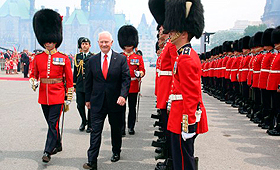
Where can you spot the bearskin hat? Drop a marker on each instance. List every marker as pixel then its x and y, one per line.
pixel 227 46
pixel 266 37
pixel 208 54
pixel 235 45
pixel 128 36
pixel 47 25
pixel 244 43
pixel 184 15
pixel 258 39
pixel 251 42
pixel 80 42
pixel 157 8
pixel 221 49
pixel 275 36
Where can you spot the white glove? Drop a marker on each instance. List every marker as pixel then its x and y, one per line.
pixel 34 83
pixel 67 102
pixel 186 136
pixel 137 74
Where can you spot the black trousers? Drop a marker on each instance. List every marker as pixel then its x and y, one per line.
pixel 132 101
pixel 81 103
pixel 245 90
pixel 52 114
pixel 182 152
pixel 25 70
pixel 257 98
pixel 97 122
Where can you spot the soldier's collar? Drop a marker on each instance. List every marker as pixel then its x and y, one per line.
pixel 53 51
pixel 180 50
pixel 128 54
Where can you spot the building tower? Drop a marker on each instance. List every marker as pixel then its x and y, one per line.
pixel 271 16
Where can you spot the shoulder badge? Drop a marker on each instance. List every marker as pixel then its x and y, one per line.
pixel 186 51
pixel 39 53
pixel 62 53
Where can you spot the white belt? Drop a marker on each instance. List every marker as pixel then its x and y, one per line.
pixel 265 70
pixel 158 70
pixel 256 71
pixel 251 69
pixel 234 69
pixel 227 69
pixel 165 73
pixel 133 78
pixel 274 71
pixel 219 68
pixel 173 97
pixel 223 67
pixel 244 69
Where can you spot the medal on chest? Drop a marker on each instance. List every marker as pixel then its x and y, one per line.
pixel 58 61
pixel 175 67
pixel 134 61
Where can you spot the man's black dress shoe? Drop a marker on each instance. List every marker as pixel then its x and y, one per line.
pixel 123 134
pixel 82 127
pixel 46 157
pixel 131 131
pixel 89 130
pixel 115 157
pixel 90 165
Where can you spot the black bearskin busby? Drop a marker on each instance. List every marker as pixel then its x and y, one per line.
pixel 80 42
pixel 235 45
pixel 245 42
pixel 180 18
pixel 128 36
pixel 275 36
pixel 266 37
pixel 227 46
pixel 221 49
pixel 251 42
pixel 157 8
pixel 258 39
pixel 47 25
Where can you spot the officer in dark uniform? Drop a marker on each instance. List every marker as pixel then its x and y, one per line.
pixel 78 80
pixel 25 61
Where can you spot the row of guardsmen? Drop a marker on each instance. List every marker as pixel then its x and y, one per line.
pixel 181 115
pixel 246 74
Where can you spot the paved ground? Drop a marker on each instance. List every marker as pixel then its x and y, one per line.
pixel 233 142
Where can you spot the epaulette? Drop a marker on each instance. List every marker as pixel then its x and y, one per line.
pixel 39 53
pixel 62 53
pixel 186 51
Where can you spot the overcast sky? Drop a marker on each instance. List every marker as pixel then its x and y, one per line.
pixel 219 14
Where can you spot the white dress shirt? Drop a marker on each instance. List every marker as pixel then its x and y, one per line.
pixel 109 54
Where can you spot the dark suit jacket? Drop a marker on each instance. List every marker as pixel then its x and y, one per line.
pixel 79 74
pixel 117 82
pixel 25 58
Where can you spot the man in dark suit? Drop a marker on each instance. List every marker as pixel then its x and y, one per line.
pixel 79 80
pixel 25 61
pixel 7 55
pixel 107 86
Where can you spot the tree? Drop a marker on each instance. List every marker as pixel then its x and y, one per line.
pixel 221 36
pixel 251 30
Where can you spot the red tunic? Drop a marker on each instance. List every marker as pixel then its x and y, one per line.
pixel 55 65
pixel 265 68
pixel 274 74
pixel 256 70
pixel 219 68
pixel 223 71
pixel 167 55
pixel 228 67
pixel 135 63
pixel 245 68
pixel 157 69
pixel 234 68
pixel 187 82
pixel 250 74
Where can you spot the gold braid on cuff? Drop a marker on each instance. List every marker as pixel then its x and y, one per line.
pixel 70 93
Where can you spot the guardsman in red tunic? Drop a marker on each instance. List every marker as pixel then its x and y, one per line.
pixel 229 96
pixel 187 117
pixel 243 73
pixel 233 72
pixel 263 76
pixel 273 84
pixel 256 66
pixel 226 48
pixel 53 70
pixel 128 41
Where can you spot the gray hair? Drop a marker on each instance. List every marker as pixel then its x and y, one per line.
pixel 105 32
